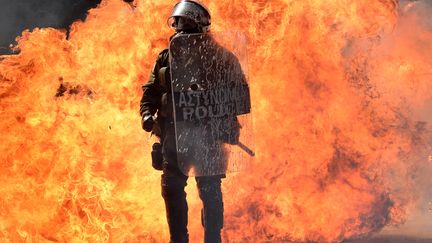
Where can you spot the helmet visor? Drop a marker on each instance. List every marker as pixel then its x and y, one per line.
pixel 192 11
pixel 184 24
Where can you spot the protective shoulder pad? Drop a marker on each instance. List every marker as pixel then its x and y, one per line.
pixel 163 57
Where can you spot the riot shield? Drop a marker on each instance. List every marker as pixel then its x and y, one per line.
pixel 212 108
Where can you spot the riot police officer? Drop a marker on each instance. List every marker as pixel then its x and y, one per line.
pixel 187 17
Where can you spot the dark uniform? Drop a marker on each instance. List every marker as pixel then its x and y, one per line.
pixel 157 99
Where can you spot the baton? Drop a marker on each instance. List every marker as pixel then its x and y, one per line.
pixel 246 149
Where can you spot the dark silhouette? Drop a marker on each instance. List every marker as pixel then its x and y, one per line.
pixel 19 15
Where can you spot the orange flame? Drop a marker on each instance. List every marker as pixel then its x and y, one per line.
pixel 333 84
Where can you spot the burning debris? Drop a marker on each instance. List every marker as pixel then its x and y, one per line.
pixel 68 89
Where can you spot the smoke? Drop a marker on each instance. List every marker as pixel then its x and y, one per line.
pixel 411 101
pixel 19 15
pixel 414 21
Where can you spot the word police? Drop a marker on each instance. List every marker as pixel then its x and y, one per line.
pixel 212 103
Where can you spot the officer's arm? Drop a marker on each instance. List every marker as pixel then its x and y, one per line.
pixel 247 91
pixel 244 87
pixel 151 92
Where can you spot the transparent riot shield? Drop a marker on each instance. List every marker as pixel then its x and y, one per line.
pixel 212 107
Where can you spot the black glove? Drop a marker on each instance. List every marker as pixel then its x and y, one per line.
pixel 230 131
pixel 147 123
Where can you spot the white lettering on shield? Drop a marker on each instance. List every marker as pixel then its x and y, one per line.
pixel 213 103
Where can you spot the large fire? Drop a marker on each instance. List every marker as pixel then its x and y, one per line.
pixel 333 84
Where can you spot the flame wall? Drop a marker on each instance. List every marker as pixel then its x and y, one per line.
pixel 334 84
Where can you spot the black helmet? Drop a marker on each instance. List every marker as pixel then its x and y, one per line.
pixel 190 15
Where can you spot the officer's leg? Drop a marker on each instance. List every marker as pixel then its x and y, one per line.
pixel 209 188
pixel 173 184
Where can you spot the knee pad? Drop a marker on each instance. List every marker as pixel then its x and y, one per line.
pixel 209 189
